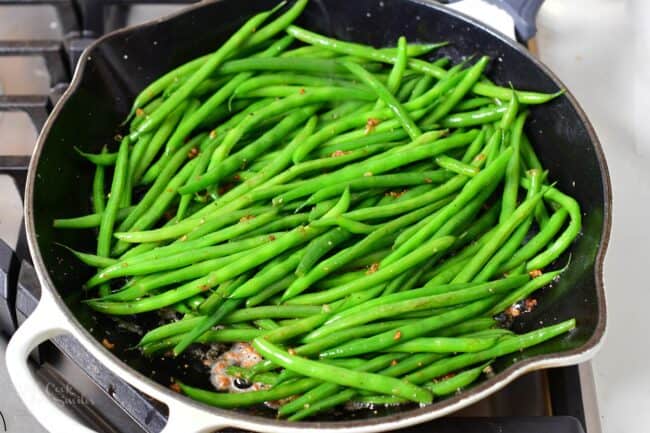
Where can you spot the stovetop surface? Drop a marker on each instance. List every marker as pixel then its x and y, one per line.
pixel 69 374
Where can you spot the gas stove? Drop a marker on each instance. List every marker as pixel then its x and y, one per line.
pixel 40 42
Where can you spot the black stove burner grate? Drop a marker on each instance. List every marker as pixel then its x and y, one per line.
pixel 112 404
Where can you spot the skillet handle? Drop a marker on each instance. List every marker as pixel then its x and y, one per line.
pixel 47 321
pixel 524 14
pixel 44 323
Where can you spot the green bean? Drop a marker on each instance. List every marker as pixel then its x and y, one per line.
pixel 381 308
pixel 474 149
pixel 137 266
pixel 444 345
pixel 322 402
pixel 272 312
pixel 188 246
pixel 500 234
pixel 157 209
pixel 397 72
pixel 230 164
pixel 194 302
pixel 219 295
pixel 266 324
pixel 208 224
pixel 524 291
pixel 427 145
pixel 341 376
pixel 483 89
pixel 460 90
pixel 490 175
pixel 91 259
pixel 433 290
pixel 387 97
pixel 110 213
pixel 360 248
pixel 159 185
pixel 230 400
pixel 416 106
pixel 357 91
pixel 421 85
pixel 137 153
pixel 285 78
pixel 383 274
pixel 564 240
pixel 269 291
pixel 238 266
pixel 538 242
pixel 335 338
pixel 328 388
pixel 456 166
pixel 143 171
pixel 310 51
pixel 284 223
pixel 361 118
pixel 481 116
pixel 296 327
pixel 468 327
pixel 170 329
pixel 351 48
pixel 456 382
pixel 528 154
pixel 351 226
pixel 511 185
pixel 212 63
pixel 99 195
pixel 504 93
pixel 214 318
pixel 268 276
pixel 439 389
pixel 472 103
pixel 139 287
pixel 291 64
pixel 202 163
pixel 504 347
pixel 316 95
pixel 212 336
pixel 362 262
pixel 319 247
pixel 89 221
pixel 408 332
pixel 100 159
pixel 382 181
pixel 299 169
pixel 511 113
pixel 278 25
pixel 407 280
pixel 210 85
pixel 517 237
pixel 218 98
pixel 142 113
pixel 259 36
pixel 388 137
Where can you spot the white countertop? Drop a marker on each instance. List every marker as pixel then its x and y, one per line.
pixel 599 50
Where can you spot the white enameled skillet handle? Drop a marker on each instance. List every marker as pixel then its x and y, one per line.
pixel 44 323
pixel 187 419
pixel 47 321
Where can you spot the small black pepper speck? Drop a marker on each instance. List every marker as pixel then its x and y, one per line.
pixel 241 383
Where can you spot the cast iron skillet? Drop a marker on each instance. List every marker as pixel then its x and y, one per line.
pixel 116 67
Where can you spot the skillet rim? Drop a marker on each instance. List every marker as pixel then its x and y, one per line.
pixel 401 419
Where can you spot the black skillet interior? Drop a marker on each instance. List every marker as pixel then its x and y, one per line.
pixel 118 67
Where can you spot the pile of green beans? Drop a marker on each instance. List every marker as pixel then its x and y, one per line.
pixel 359 215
